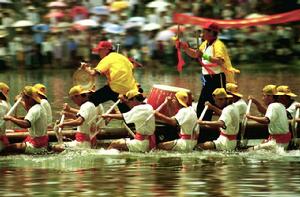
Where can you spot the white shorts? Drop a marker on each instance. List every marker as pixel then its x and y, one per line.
pixel 223 143
pixel 30 149
pixel 270 145
pixel 75 144
pixel 184 145
pixel 137 145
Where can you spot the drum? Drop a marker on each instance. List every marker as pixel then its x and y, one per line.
pixel 158 95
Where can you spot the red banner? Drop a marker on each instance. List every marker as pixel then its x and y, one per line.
pixel 227 24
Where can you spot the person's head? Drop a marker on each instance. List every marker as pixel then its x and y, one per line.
pixel 182 98
pixel 210 31
pixel 78 94
pixel 220 97
pixel 288 96
pixel 103 48
pixel 232 89
pixel 41 90
pixel 270 94
pixel 4 90
pixel 30 97
pixel 133 98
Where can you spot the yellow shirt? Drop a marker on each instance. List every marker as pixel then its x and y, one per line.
pixel 219 50
pixel 118 71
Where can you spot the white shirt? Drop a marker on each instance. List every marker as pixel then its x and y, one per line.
pixel 87 111
pixel 47 106
pixel 292 108
pixel 37 116
pixel 138 115
pixel 276 113
pixel 187 119
pixel 242 108
pixel 215 69
pixel 230 116
pixel 4 107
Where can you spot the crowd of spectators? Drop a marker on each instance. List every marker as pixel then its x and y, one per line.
pixel 49 34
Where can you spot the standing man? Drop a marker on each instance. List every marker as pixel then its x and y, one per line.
pixel 216 65
pixel 118 71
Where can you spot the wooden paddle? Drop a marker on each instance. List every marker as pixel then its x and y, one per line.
pixel 243 142
pixel 101 119
pixel 12 109
pixel 200 118
pixel 295 126
pixel 58 130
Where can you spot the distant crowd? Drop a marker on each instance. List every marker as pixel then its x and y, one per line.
pixel 58 35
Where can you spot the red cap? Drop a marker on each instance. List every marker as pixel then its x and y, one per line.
pixel 212 26
pixel 102 45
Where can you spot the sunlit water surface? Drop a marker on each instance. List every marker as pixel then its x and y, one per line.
pixel 110 173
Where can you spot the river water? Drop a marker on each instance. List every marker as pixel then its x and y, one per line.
pixel 110 173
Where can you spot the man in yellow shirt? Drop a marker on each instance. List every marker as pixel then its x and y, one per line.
pixel 119 73
pixel 216 65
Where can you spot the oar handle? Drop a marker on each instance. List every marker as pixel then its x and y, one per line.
pixel 244 122
pixel 203 112
pixel 12 109
pixel 60 122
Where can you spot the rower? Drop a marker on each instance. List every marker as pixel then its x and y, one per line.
pixel 36 123
pixel 228 123
pixel 240 103
pixel 275 117
pixel 79 118
pixel 44 102
pixel 186 119
pixel 4 107
pixel 287 99
pixel 139 113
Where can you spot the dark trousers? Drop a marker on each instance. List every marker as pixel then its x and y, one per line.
pixel 209 84
pixel 105 94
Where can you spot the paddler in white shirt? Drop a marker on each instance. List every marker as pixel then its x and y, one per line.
pixel 186 119
pixel 275 117
pixel 80 118
pixel 287 99
pixel 228 123
pixel 4 108
pixel 36 123
pixel 144 137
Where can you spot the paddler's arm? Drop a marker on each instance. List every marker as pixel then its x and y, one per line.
pixel 67 108
pixel 23 123
pixel 78 121
pixel 214 108
pixel 212 124
pixel 262 109
pixel 114 116
pixel 262 120
pixel 166 119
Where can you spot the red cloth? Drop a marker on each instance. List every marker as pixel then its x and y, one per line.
pixel 82 137
pixel 230 137
pixel 188 137
pixel 4 139
pixel 206 66
pixel 151 138
pixel 38 142
pixel 265 20
pixel 179 56
pixel 281 138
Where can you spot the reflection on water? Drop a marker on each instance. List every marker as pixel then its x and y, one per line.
pixel 94 172
pixel 105 173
